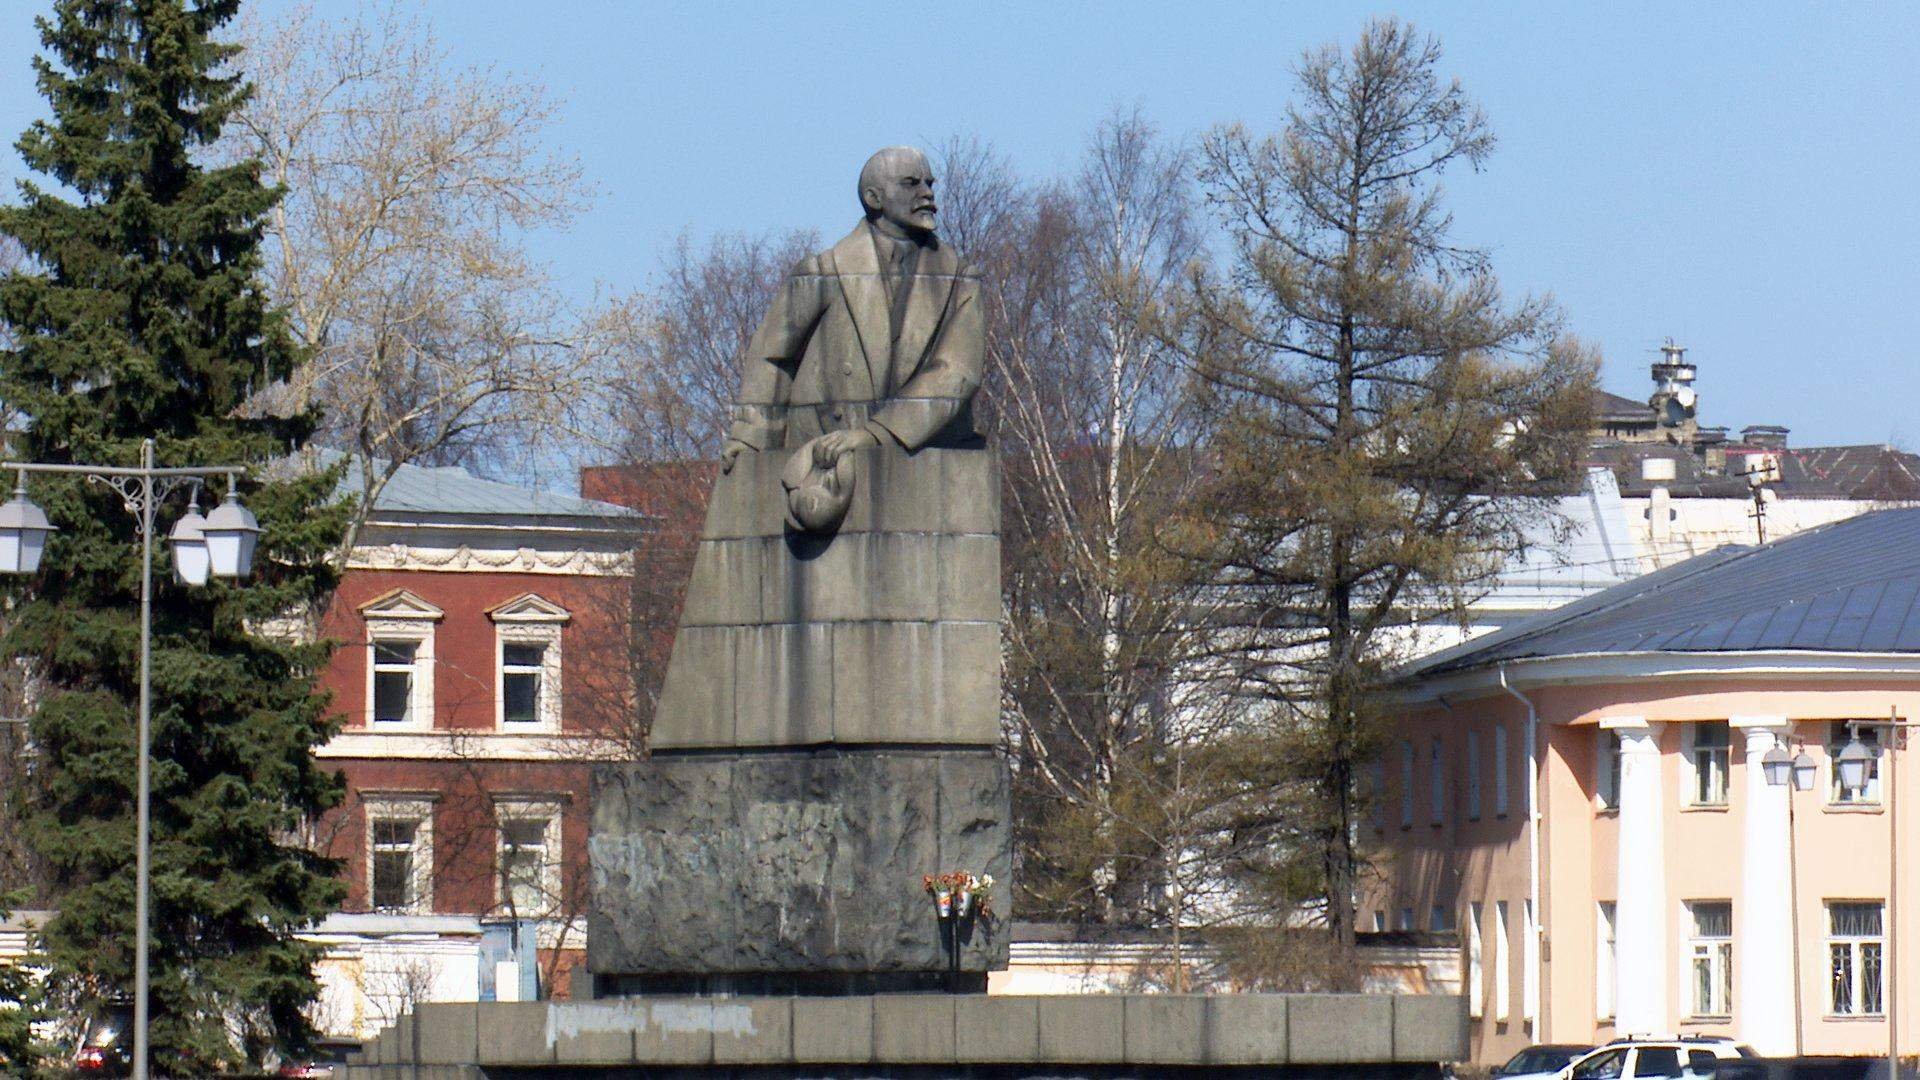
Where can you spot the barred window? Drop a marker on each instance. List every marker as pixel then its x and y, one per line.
pixel 1856 944
pixel 1710 954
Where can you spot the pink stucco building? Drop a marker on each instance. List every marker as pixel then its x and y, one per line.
pixel 1582 797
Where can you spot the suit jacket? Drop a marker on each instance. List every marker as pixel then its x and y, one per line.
pixel 826 356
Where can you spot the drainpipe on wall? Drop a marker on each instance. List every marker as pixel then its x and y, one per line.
pixel 1533 857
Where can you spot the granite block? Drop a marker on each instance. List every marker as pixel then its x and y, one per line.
pixel 678 1031
pixel 595 1033
pixel 829 1030
pixel 753 1031
pixel 1165 1028
pixel 912 1029
pixel 969 574
pixel 697 700
pixel 1247 1029
pixel 449 1032
pixel 997 1029
pixel 970 691
pixel 1081 1030
pixel 515 1033
pixel 970 489
pixel 792 862
pixel 1429 1028
pixel 1329 1028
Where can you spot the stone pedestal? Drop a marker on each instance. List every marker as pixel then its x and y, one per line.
pixel 794 871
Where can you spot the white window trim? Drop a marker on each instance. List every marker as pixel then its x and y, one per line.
pixel 1529 964
pixel 518 808
pixel 1853 942
pixel 1502 963
pixel 1690 768
pixel 1719 956
pixel 1476 964
pixel 415 808
pixel 401 617
pixel 1606 957
pixel 1606 782
pixel 529 619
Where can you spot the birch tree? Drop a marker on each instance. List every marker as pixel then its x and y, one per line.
pixel 399 250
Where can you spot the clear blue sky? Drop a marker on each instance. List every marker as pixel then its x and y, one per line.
pixel 1741 177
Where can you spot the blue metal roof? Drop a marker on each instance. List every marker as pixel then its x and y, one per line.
pixel 1846 587
pixel 416 489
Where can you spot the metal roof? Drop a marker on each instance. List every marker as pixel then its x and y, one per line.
pixel 416 489
pixel 1846 587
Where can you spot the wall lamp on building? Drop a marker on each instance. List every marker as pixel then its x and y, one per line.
pixel 1854 765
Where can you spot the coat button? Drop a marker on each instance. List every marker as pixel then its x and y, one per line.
pixel 846 369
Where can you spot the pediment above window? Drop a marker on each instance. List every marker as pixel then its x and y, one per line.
pixel 400 604
pixel 529 608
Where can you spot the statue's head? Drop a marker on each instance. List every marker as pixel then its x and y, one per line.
pixel 896 189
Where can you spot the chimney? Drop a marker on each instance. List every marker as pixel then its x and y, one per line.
pixel 1658 472
pixel 1765 436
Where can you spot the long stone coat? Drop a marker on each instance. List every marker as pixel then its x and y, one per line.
pixel 885 631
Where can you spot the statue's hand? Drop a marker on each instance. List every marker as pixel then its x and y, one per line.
pixel 731 453
pixel 831 447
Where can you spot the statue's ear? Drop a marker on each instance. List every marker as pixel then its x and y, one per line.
pixel 870 198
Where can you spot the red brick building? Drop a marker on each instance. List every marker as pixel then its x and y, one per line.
pixel 483 665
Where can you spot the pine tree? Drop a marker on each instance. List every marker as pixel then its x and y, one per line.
pixel 141 315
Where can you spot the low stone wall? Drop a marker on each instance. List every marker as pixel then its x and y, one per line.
pixel 927 1035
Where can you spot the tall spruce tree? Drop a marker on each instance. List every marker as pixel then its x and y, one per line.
pixel 141 316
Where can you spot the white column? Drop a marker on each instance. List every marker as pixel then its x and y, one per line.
pixel 1641 975
pixel 1763 941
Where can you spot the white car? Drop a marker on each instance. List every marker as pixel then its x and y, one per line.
pixel 1543 1062
pixel 1637 1058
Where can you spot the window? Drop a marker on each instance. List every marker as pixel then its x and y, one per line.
pixel 1437 778
pixel 1606 780
pixel 1379 794
pixel 1657 1061
pixel 1837 737
pixel 1406 919
pixel 1530 963
pixel 1710 958
pixel 1855 945
pixel 400 627
pixel 1711 743
pixel 1476 968
pixel 1607 1065
pixel 1606 956
pixel 528 856
pixel 1473 776
pixel 393 666
pixel 1379 922
pixel 1406 783
pixel 1500 771
pixel 1440 919
pixel 400 855
pixel 527 632
pixel 1503 963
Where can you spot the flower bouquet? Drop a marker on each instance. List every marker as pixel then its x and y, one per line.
pixel 958 894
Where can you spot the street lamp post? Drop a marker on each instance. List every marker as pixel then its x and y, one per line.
pixel 1781 769
pixel 1854 764
pixel 222 547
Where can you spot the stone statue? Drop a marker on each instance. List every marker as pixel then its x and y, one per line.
pixel 846 589
pixel 827 733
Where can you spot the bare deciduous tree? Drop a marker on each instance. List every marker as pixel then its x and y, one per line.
pixel 399 250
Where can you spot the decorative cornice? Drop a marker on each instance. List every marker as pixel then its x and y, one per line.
pixel 1588 668
pixel 471 746
pixel 524 560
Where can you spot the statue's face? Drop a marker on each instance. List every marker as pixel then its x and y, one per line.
pixel 905 195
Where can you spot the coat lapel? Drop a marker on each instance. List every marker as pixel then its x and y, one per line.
pixel 858 270
pixel 927 298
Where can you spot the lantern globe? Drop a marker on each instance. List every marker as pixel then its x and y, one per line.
pixel 23 534
pixel 231 533
pixel 191 561
pixel 1852 763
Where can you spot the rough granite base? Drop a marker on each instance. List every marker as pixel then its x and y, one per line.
pixel 736 869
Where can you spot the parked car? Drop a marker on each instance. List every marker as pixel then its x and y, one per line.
pixel 1806 1068
pixel 1692 1057
pixel 105 1046
pixel 1542 1062
pixel 325 1063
